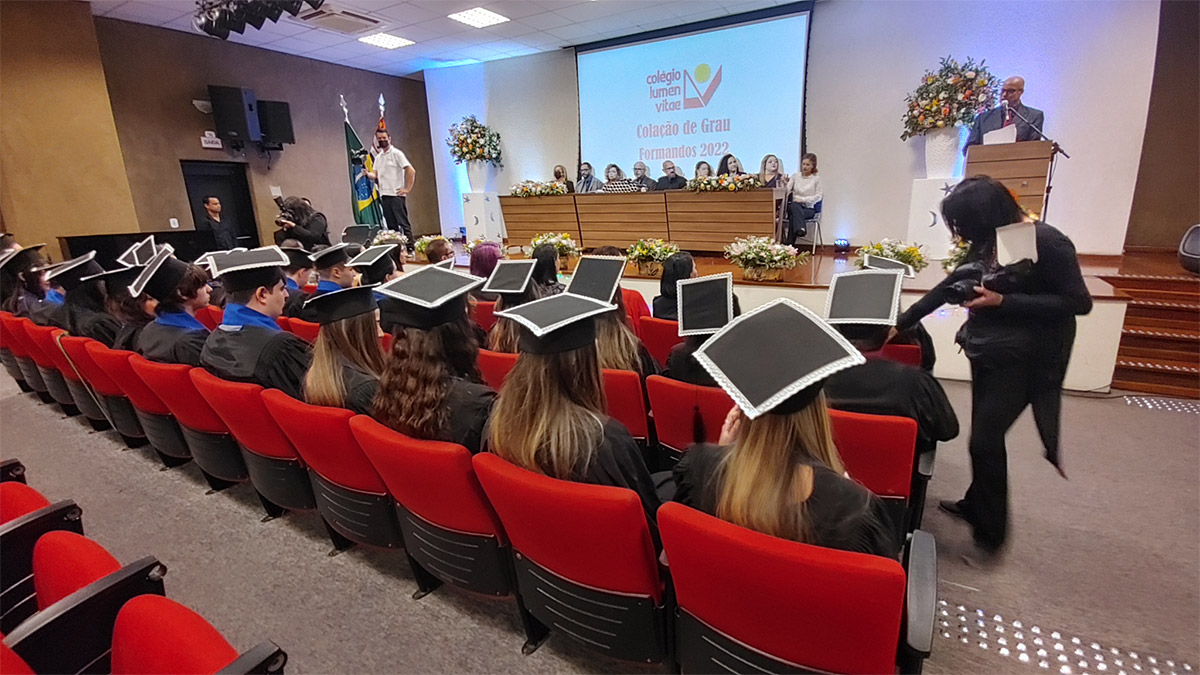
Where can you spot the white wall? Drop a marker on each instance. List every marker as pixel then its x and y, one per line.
pixel 532 101
pixel 1088 65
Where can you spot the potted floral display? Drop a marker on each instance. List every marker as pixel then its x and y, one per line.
pixel 761 259
pixel 472 142
pixel 535 188
pixel 562 242
pixel 894 249
pixel 944 101
pixel 472 245
pixel 423 243
pixel 957 255
pixel 389 237
pixel 725 183
pixel 649 254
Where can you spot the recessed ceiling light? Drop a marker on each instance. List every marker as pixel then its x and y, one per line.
pixel 478 17
pixel 386 41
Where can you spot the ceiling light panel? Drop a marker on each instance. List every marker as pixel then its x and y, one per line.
pixel 478 17
pixel 385 41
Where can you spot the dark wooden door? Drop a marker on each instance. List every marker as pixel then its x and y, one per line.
pixel 227 182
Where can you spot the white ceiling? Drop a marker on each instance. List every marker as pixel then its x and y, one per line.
pixel 534 26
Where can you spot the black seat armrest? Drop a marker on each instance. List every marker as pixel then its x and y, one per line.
pixel 925 462
pixel 265 658
pixel 920 599
pixel 12 469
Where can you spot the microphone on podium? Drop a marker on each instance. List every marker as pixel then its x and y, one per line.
pixel 1007 113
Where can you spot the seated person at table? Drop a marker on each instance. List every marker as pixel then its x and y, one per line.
pixel 707 305
pixel 347 358
pixel 550 414
pixel 730 166
pixel 483 262
pixel 703 170
pixel 175 335
pixel 639 176
pixel 249 346
pixel 84 304
pixel 617 183
pixel 420 395
pixel 512 283
pixel 560 176
pixel 670 180
pixel 587 182
pixel 776 470
pixel 333 274
pixel 677 266
pixel 805 187
pixel 438 250
pixel 771 172
pixel 545 272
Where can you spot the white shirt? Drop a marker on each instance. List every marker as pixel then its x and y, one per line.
pixel 805 189
pixel 389 168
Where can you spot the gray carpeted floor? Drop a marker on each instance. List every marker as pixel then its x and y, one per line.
pixel 1109 557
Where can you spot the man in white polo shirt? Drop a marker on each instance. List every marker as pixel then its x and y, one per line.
pixel 394 175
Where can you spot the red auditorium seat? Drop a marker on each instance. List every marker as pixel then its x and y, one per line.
pixel 627 402
pixel 483 313
pixel 878 451
pixel 659 336
pixel 494 366
pixel 26 515
pixel 8 358
pixel 112 400
pixel 803 608
pixel 284 322
pixel 635 309
pixel 210 316
pixel 275 469
pixel 909 355
pixel 11 663
pixel 385 341
pixel 351 497
pixel 451 532
pixel 585 562
pixel 19 500
pixel 19 344
pixel 305 330
pixel 43 348
pixel 48 339
pixel 156 419
pixel 64 562
pixel 156 635
pixel 685 413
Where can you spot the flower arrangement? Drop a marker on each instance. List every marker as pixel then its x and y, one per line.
pixel 534 188
pixel 472 245
pixel 471 140
pixel 566 246
pixel 950 97
pixel 389 237
pixel 725 183
pixel 957 255
pixel 909 254
pixel 423 243
pixel 761 259
pixel 649 254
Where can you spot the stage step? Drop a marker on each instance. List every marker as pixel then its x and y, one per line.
pixel 1159 376
pixel 1168 284
pixel 1186 315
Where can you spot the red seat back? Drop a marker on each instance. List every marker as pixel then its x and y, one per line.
pixel 877 450
pixel 659 336
pixel 45 338
pixel 172 383
pixel 594 535
pixel 635 309
pixel 494 366
pixel 681 410
pixel 306 330
pixel 9 339
pixel 385 342
pixel 210 316
pixel 240 407
pixel 28 330
pixel 309 289
pixel 11 663
pixel 434 480
pixel 116 364
pixel 626 402
pixel 153 634
pixel 322 437
pixel 76 348
pixel 284 323
pixel 909 355
pixel 18 499
pixel 484 314
pixel 64 562
pixel 824 609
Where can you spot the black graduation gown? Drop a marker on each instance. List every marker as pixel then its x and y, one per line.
pixel 682 366
pixel 274 359
pixel 840 513
pixel 127 336
pixel 293 308
pixel 99 326
pixel 171 344
pixel 46 313
pixel 470 405
pixel 647 363
pixel 666 308
pixel 880 387
pixel 360 389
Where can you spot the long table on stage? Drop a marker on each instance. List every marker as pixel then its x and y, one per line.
pixel 696 221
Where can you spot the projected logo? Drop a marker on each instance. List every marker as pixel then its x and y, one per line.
pixel 668 94
pixel 692 96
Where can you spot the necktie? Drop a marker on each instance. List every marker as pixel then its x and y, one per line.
pixel 1008 116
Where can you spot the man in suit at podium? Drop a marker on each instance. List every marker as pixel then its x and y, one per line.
pixel 1002 116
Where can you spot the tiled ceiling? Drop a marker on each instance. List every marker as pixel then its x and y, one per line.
pixel 534 26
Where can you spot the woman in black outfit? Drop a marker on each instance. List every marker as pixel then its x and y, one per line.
pixel 678 266
pixel 84 306
pixel 1018 340
pixel 299 220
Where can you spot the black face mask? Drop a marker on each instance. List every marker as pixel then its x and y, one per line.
pixel 383 142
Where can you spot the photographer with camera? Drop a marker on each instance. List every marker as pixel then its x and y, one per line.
pixel 298 220
pixel 1018 337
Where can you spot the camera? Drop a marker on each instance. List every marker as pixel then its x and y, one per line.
pixel 357 156
pixel 284 215
pixel 967 276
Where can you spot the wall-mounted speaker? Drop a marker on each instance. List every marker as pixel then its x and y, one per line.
pixel 235 113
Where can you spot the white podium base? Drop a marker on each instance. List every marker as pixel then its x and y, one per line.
pixel 925 225
pixel 482 216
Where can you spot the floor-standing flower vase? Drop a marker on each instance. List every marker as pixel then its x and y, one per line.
pixel 478 175
pixel 941 152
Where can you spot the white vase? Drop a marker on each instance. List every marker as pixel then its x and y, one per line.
pixel 478 175
pixel 941 152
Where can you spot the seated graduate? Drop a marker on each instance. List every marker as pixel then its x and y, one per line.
pixel 618 348
pixel 333 274
pixel 678 266
pixel 545 273
pixel 460 346
pixel 776 469
pixel 133 312
pixel 633 303
pixel 26 290
pixel 706 305
pixel 512 283
pixel 249 346
pixel 550 415
pixel 420 394
pixel 375 265
pixel 438 251
pixel 175 335
pixel 85 299
pixel 863 307
pixel 296 275
pixel 484 258
pixel 347 359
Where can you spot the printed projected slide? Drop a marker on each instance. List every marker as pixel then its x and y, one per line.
pixel 696 97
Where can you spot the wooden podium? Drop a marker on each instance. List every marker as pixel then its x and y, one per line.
pixel 1024 168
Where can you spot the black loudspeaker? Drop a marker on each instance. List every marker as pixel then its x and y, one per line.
pixel 1189 250
pixel 275 120
pixel 235 112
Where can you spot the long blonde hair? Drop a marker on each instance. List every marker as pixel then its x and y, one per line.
pixel 616 346
pixel 765 478
pixel 505 335
pixel 355 341
pixel 549 416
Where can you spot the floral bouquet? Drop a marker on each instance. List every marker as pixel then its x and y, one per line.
pixel 389 237
pixel 950 97
pixel 472 245
pixel 649 254
pixel 909 254
pixel 534 188
pixel 566 246
pixel 957 256
pixel 725 183
pixel 470 140
pixel 761 259
pixel 424 242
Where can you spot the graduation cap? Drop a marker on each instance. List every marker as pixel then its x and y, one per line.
pixel 375 262
pixel 298 258
pixel 447 264
pixel 597 277
pixel 755 358
pixel 426 298
pixel 248 270
pixel 343 304
pixel 72 272
pixel 705 304
pixel 510 277
pixel 16 258
pixel 330 256
pixel 140 253
pixel 116 281
pixel 878 262
pixel 1016 242
pixel 864 297
pixel 161 276
pixel 206 260
pixel 559 323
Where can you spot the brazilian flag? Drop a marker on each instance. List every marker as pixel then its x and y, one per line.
pixel 362 189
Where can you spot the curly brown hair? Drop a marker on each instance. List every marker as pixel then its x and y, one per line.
pixel 412 390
